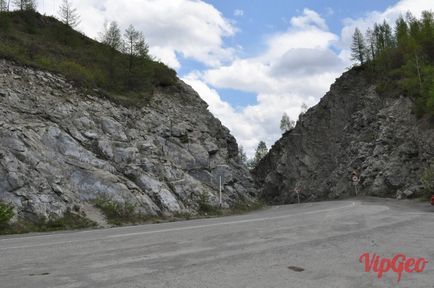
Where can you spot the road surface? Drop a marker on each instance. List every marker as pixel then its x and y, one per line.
pixel 307 245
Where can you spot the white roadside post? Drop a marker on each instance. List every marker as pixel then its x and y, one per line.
pixel 220 185
pixel 220 192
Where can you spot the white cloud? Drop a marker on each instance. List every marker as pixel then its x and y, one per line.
pixel 297 67
pixel 238 13
pixel 191 28
pixel 309 19
pixel 390 15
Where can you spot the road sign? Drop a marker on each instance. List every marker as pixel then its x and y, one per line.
pixel 355 179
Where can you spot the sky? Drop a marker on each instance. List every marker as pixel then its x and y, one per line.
pixel 250 60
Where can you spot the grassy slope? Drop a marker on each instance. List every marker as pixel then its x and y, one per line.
pixel 43 42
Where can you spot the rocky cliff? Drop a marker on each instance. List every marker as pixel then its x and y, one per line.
pixel 353 128
pixel 62 147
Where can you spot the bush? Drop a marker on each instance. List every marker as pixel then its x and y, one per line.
pixel 6 213
pixel 243 206
pixel 120 213
pixel 5 21
pixel 68 221
pixel 45 43
pixel 205 207
pixel 428 181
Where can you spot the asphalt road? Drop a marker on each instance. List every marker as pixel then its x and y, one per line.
pixel 324 240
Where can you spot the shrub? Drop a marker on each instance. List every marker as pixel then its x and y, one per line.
pixel 6 213
pixel 243 206
pixel 205 207
pixel 45 43
pixel 5 21
pixel 119 213
pixel 68 221
pixel 428 181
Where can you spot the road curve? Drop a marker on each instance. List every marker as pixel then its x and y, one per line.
pixel 307 245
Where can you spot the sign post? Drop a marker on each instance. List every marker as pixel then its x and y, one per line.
pixel 297 190
pixel 355 179
pixel 221 173
pixel 220 192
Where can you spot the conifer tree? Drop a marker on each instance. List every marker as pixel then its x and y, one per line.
pixel 69 14
pixel 358 47
pixel 25 5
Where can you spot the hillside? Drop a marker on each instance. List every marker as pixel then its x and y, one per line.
pixel 353 128
pixel 375 125
pixel 66 149
pixel 45 43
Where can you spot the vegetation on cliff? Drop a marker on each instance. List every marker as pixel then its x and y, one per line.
pixel 43 42
pixel 401 59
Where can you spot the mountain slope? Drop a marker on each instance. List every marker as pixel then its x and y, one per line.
pixel 353 128
pixel 82 124
pixel 61 147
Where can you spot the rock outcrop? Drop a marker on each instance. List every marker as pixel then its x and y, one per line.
pixel 353 128
pixel 61 148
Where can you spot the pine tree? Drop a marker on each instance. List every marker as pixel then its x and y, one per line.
pixel 402 33
pixel 358 48
pixel 135 44
pixel 141 47
pixel 286 123
pixel 69 14
pixel 131 36
pixel 242 155
pixel 25 5
pixel 389 40
pixel 371 42
pixel 261 151
pixel 112 36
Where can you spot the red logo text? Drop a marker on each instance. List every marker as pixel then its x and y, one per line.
pixel 398 264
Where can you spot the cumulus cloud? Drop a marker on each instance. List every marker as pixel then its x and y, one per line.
pixel 308 19
pixel 297 67
pixel 306 61
pixel 191 28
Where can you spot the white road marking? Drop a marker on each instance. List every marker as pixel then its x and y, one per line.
pixel 164 230
pixel 228 223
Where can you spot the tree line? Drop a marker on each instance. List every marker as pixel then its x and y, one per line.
pixel 122 67
pixel 401 58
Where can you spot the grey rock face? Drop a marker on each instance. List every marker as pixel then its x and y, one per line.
pixel 352 128
pixel 61 148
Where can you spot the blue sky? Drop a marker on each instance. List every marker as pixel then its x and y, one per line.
pixel 251 61
pixel 259 19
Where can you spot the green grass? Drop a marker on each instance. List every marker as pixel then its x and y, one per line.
pixel 243 206
pixel 206 208
pixel 121 213
pixel 69 221
pixel 6 213
pixel 45 43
